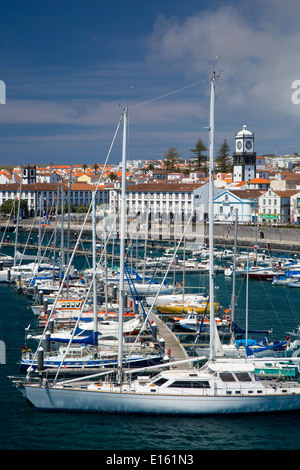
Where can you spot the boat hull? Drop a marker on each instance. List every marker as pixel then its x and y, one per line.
pixel 131 362
pixel 261 276
pixel 180 308
pixel 100 401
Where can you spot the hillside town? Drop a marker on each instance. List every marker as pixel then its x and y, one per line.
pixel 263 189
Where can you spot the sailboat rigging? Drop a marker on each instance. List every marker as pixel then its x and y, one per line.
pixel 220 386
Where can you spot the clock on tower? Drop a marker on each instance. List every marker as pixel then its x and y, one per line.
pixel 244 157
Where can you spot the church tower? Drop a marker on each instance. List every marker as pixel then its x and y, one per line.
pixel 244 157
pixel 29 174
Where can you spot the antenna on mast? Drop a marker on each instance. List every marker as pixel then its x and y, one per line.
pixel 216 75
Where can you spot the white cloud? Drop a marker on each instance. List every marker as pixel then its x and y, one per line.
pixel 258 45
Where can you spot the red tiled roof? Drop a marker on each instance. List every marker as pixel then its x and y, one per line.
pixel 259 181
pixel 164 187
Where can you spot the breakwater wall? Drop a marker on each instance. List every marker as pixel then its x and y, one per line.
pixel 285 238
pixel 282 238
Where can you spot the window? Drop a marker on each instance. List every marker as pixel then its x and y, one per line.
pixel 227 377
pixel 160 381
pixel 190 384
pixel 243 376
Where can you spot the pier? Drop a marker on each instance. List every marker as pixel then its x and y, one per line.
pixel 172 344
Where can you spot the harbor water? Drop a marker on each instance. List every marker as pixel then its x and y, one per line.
pixel 25 428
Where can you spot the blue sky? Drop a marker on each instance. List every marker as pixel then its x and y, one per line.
pixel 70 67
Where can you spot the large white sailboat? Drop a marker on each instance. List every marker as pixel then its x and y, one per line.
pixel 221 386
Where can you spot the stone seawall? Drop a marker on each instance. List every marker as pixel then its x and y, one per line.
pixel 285 238
pixel 277 238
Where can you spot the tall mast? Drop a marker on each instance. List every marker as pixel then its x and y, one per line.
pixel 233 277
pixel 62 243
pixel 40 228
pixel 122 244
pixel 68 235
pixel 18 205
pixel 211 216
pixel 95 307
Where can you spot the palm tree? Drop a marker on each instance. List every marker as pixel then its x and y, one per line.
pixel 113 176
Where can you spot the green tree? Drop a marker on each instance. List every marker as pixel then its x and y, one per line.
pixel 7 207
pixel 171 159
pixel 81 209
pixel 113 176
pixel 199 159
pixel 223 158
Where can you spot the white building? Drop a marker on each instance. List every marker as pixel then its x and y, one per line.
pixel 48 177
pixel 45 195
pixel 5 177
pixel 295 208
pixel 245 201
pixel 164 200
pixel 274 206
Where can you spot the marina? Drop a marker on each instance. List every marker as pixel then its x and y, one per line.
pixel 149 229
pixel 276 309
pixel 233 378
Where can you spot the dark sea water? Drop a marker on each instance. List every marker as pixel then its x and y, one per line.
pixel 25 428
